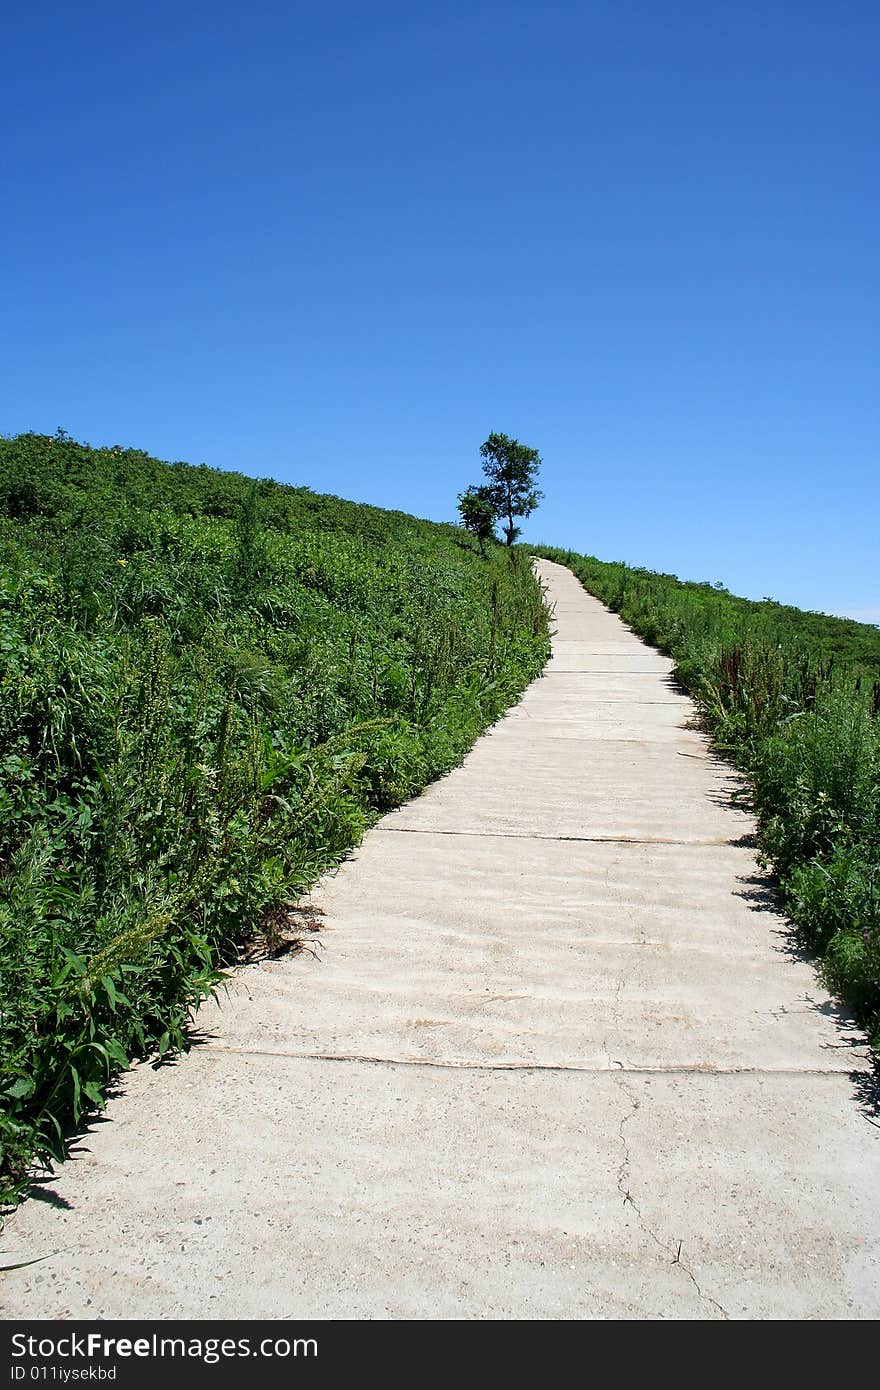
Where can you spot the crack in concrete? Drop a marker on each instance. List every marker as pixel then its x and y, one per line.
pixel 629 1200
pixel 612 1015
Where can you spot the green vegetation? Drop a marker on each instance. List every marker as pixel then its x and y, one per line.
pixel 478 515
pixel 210 688
pixel 794 698
pixel 511 470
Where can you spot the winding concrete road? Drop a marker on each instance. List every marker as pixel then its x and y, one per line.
pixel 556 1059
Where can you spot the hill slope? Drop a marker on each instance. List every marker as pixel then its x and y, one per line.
pixel 210 687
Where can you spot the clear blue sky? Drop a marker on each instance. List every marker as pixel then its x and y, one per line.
pixel 340 244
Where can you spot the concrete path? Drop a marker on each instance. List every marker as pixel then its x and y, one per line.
pixel 556 1060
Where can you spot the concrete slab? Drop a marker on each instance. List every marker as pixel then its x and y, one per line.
pixel 522 1076
pixel 659 720
pixel 572 658
pixel 409 1192
pixel 588 790
pixel 605 683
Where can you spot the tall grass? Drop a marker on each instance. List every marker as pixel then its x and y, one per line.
pixel 794 698
pixel 209 688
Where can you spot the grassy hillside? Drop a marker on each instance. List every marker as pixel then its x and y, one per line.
pixel 210 688
pixel 794 698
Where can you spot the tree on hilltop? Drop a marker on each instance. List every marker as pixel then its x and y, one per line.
pixel 511 470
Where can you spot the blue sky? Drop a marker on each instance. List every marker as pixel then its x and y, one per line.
pixel 340 245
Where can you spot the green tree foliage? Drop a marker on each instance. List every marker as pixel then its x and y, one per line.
pixel 512 471
pixel 794 698
pixel 478 514
pixel 209 688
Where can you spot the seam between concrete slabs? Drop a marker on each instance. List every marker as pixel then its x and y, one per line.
pixel 614 1069
pixel 606 700
pixel 582 671
pixel 572 839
